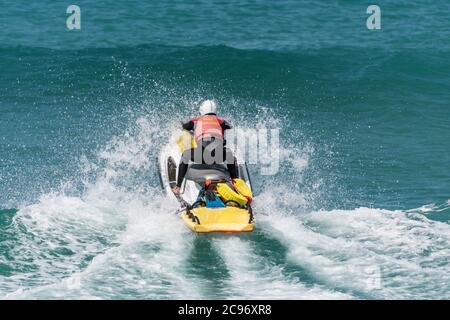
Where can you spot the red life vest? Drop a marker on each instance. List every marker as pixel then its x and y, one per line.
pixel 208 126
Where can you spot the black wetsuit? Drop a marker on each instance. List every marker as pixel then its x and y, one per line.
pixel 211 147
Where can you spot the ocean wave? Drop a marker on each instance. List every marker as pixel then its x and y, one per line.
pixel 371 253
pixel 121 239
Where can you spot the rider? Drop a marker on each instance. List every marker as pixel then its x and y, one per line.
pixel 209 136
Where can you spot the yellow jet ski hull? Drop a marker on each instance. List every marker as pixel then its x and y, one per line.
pixel 228 219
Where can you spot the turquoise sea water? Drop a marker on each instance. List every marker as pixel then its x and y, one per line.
pixel 359 209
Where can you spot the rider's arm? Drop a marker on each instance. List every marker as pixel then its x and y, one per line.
pixel 226 125
pixel 189 125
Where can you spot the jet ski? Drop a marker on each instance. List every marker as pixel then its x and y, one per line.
pixel 210 201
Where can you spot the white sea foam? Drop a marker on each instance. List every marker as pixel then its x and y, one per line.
pixel 118 240
pixel 253 277
pixel 146 261
pixel 372 252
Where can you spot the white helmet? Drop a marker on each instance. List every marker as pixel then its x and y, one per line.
pixel 207 106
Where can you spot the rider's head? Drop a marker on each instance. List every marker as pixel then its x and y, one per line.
pixel 207 106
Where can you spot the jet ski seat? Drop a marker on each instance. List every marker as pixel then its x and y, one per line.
pixel 197 172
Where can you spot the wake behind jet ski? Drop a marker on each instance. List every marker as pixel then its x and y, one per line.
pixel 203 175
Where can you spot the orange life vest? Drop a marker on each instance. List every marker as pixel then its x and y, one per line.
pixel 208 126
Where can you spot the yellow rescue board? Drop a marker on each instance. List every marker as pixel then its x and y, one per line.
pixel 228 219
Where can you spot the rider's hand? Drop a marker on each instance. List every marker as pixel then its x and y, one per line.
pixel 176 190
